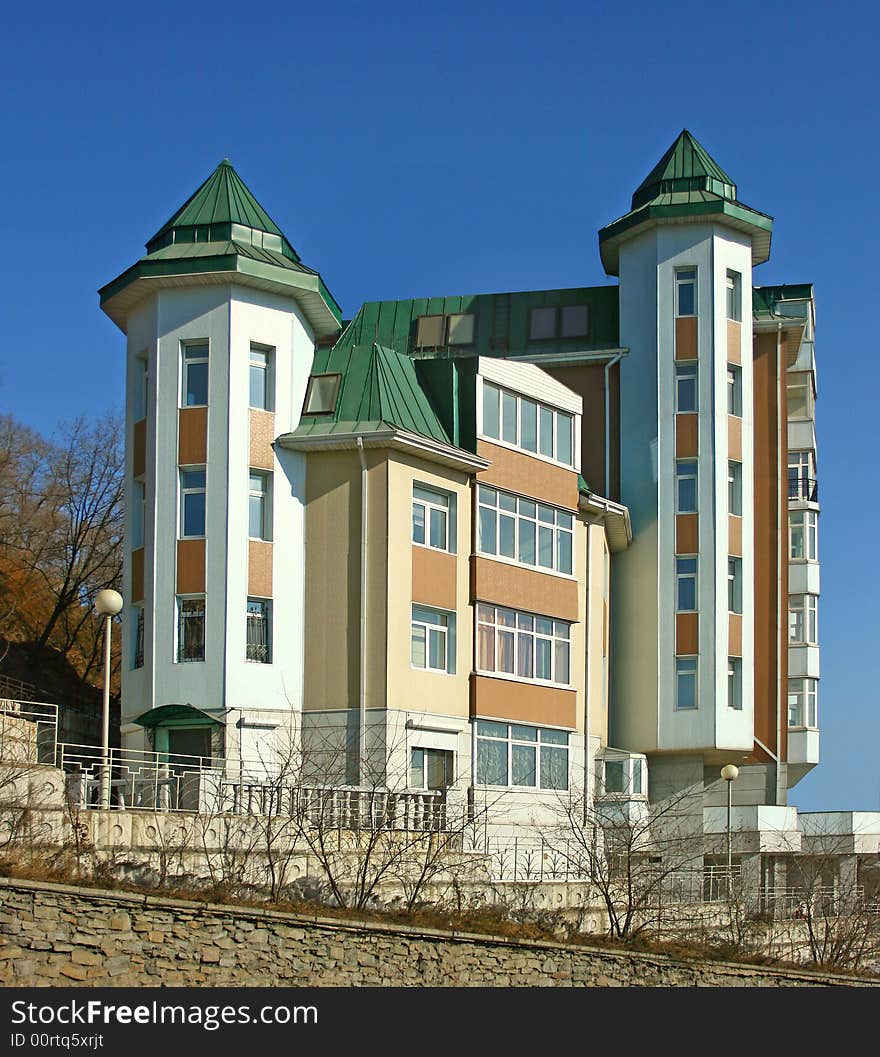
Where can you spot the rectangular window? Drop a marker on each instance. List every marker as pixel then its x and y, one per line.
pixel 137 621
pixel 734 488
pixel 526 424
pixel 191 629
pixel 685 487
pixel 686 387
pixel 734 391
pixel 460 329
pixel 803 619
pixel 615 776
pixel 802 483
pixel 516 754
pixel 259 631
pixel 734 683
pixel 432 640
pixel 138 514
pixel 260 506
pixel 575 321
pixel 433 518
pixel 803 708
pixel 734 296
pixel 802 536
pixel 194 381
pixel 431 769
pixel 321 393
pixel 542 323
pixel 262 388
pixel 686 585
pixel 141 386
pixel 734 585
pixel 539 535
pixel 523 645
pixel 685 682
pixel 192 503
pixel 799 391
pixel 686 292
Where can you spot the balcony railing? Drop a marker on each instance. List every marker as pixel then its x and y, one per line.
pixel 803 489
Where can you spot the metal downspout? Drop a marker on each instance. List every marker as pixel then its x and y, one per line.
pixel 362 710
pixel 780 553
pixel 608 366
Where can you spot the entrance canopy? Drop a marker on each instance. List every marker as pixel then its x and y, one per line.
pixel 176 715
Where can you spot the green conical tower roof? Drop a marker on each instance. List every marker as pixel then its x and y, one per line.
pixel 687 185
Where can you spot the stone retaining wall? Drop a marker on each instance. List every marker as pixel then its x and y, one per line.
pixel 60 935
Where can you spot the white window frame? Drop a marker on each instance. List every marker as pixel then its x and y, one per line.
pixel 683 574
pixel 632 778
pixel 807 522
pixel 178 635
pixel 251 650
pixel 803 700
pixel 187 361
pixel 797 380
pixel 516 510
pixel 262 361
pixel 734 296
pixel 801 475
pixel 448 756
pixel 734 683
pixel 734 391
pixel 687 374
pixel 264 496
pixel 680 478
pixel 522 627
pixel 541 409
pixel 444 628
pixel 187 490
pixel 734 487
pixel 803 619
pixel 687 667
pixel 685 277
pixel 433 500
pixel 734 584
pixel 515 737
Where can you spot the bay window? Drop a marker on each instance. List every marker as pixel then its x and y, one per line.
pixel 524 531
pixel 527 424
pixel 522 645
pixel 520 755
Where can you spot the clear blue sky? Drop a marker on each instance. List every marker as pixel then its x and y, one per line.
pixel 452 149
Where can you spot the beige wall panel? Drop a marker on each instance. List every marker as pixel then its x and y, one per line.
pixel 734 342
pixel 262 434
pixel 190 567
pixel 433 577
pixel 528 476
pixel 734 438
pixel 509 585
pixel 735 635
pixel 687 533
pixel 137 575
pixel 260 568
pixel 139 448
pixel 687 635
pixel 523 702
pixel 686 433
pixel 192 436
pixel 686 338
pixel 734 535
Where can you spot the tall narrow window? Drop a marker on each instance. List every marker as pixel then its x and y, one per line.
pixel 138 515
pixel 734 585
pixel 734 488
pixel 803 619
pixel 685 682
pixel 734 391
pixel 259 630
pixel 686 387
pixel 191 628
pixel 802 545
pixel 686 292
pixel 194 382
pixel 802 483
pixel 433 517
pixel 734 683
pixel 262 388
pixel 491 411
pixel 803 703
pixel 260 506
pixel 686 585
pixel 432 640
pixel 685 487
pixel 192 503
pixel 799 392
pixel 734 296
pixel 137 620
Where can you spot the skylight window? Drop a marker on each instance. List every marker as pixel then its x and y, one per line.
pixel 321 394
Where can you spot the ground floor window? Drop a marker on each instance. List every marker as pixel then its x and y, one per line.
pixel 515 754
pixel 431 768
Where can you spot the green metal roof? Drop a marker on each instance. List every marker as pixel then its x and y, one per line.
pixel 686 185
pixel 766 300
pixel 378 391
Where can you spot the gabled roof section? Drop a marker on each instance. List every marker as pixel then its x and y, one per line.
pixel 687 185
pixel 379 391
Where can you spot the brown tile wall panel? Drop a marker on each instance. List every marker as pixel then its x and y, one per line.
pixel 523 702
pixel 686 338
pixel 735 635
pixel 734 438
pixel 259 568
pixel 518 472
pixel 433 577
pixel 687 634
pixel 734 342
pixel 192 436
pixel 534 592
pixel 687 533
pixel 190 567
pixel 686 435
pixel 139 449
pixel 262 435
pixel 137 575
pixel 734 535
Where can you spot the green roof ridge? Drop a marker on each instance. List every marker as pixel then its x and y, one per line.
pixel 686 166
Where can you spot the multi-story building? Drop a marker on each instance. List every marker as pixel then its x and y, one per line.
pixel 413 529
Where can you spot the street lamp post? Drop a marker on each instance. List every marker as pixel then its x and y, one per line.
pixel 108 603
pixel 729 772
